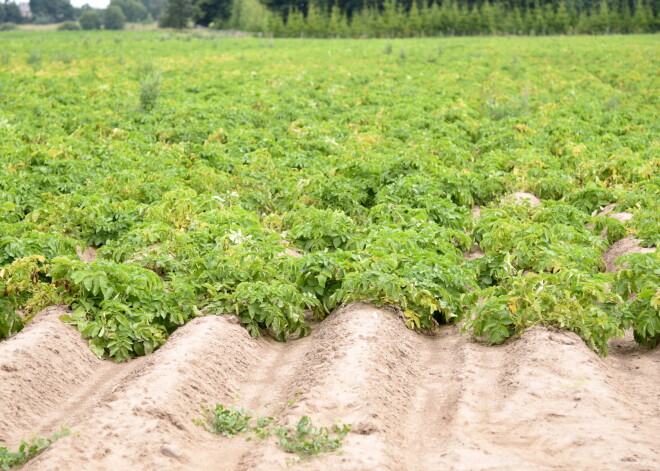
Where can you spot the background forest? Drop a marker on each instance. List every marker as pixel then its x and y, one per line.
pixel 357 18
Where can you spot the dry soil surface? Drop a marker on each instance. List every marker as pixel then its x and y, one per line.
pixel 625 246
pixel 521 197
pixel 541 402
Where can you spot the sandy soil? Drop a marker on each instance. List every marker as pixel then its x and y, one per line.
pixel 625 246
pixel 88 255
pixel 544 401
pixel 520 197
pixel 609 211
pixel 474 253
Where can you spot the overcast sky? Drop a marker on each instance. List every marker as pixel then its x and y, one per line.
pixel 91 3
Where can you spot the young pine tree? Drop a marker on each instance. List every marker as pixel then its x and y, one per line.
pixel 414 23
pixel 540 26
pixel 626 25
pixel 315 22
pixel 295 23
pixel 452 17
pixel 426 20
pixel 486 19
pixel 473 21
pixel 583 23
pixel 643 18
pixel 276 25
pixel 516 24
pixel 461 19
pixel 442 18
pixel 563 20
pixel 338 24
pixel 365 23
pixel 600 21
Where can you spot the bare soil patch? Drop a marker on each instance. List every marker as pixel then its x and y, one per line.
pixel 87 255
pixel 544 401
pixel 520 197
pixel 625 246
pixel 474 253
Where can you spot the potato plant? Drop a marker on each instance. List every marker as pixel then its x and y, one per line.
pixel 322 173
pixel 27 450
pixel 304 439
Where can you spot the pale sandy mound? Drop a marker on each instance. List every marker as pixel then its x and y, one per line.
pixel 625 246
pixel 41 370
pixel 416 403
pixel 291 253
pixel 520 197
pixel 88 255
pixel 542 402
pixel 144 419
pixel 607 209
pixel 621 217
pixel 474 253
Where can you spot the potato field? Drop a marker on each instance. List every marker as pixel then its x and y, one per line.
pixel 253 253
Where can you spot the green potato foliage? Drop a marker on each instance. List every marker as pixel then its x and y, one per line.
pixel 304 439
pixel 122 309
pixel 27 450
pixel 639 284
pixel 568 300
pixel 225 180
pixel 10 321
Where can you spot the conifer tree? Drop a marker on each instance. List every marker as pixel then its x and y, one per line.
pixel 314 22
pixel 361 23
pixel 460 19
pixel 540 26
pixel 473 20
pixel 276 24
pixel 562 19
pixel 425 13
pixel 600 22
pixel 499 17
pixel 486 18
pixel 583 23
pixel 295 23
pixel 625 24
pixel 549 19
pixel 337 24
pixel 396 18
pixel 414 21
pixel 444 17
pixel 643 17
pixel 516 23
pixel 389 21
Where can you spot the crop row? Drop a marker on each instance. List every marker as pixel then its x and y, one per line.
pixel 272 187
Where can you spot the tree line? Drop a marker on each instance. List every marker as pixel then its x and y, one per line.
pixel 364 18
pixel 409 18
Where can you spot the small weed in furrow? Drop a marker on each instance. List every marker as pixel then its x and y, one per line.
pixel 304 439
